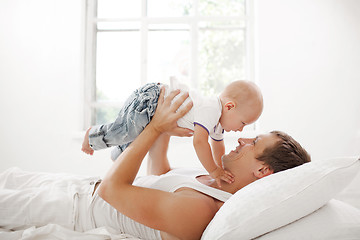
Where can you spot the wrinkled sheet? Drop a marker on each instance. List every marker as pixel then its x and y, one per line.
pixel 57 232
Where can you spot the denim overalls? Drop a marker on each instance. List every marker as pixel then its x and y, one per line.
pixel 136 113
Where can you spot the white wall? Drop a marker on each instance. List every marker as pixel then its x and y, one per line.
pixel 308 66
pixel 308 60
pixel 41 85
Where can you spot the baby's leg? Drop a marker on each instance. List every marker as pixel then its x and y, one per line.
pixel 132 119
pixel 115 153
pixel 86 145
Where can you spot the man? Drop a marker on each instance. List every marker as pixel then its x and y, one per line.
pixel 184 212
pixel 171 205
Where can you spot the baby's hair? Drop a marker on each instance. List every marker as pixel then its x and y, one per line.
pixel 241 91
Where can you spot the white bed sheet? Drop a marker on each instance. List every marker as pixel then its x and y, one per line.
pixel 57 232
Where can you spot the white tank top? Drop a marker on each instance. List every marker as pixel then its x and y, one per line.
pixel 105 215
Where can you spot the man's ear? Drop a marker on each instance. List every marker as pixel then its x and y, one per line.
pixel 229 105
pixel 263 171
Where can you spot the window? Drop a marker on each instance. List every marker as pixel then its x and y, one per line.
pixel 204 43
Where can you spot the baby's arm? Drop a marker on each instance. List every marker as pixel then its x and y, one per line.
pixel 203 151
pixel 218 150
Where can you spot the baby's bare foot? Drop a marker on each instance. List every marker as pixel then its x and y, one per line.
pixel 85 145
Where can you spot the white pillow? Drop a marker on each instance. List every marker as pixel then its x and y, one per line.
pixel 281 198
pixel 335 220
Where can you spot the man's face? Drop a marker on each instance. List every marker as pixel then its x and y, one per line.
pixel 242 161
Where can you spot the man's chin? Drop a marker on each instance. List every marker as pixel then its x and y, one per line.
pixel 226 158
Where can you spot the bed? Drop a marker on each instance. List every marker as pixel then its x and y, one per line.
pixel 318 200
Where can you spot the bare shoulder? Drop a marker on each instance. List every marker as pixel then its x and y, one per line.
pixel 197 210
pixel 201 203
pixel 200 199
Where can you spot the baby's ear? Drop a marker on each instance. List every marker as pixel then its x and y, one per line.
pixel 229 105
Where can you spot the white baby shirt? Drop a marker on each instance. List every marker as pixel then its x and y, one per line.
pixel 206 111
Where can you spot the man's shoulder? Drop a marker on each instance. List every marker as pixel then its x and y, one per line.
pixel 200 202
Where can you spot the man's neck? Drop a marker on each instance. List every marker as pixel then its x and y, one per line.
pixel 209 181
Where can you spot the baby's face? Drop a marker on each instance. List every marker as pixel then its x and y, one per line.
pixel 236 119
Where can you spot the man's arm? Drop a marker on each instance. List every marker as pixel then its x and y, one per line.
pixel 157 162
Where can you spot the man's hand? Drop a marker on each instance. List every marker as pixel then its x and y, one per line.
pixel 167 114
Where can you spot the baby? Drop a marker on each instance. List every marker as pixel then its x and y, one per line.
pixel 239 104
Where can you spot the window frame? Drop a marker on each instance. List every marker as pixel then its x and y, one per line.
pixel 90 37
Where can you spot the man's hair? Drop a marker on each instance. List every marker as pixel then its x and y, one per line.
pixel 284 154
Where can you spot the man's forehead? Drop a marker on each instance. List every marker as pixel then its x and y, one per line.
pixel 260 136
pixel 267 138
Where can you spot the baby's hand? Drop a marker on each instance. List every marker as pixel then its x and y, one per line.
pixel 220 174
pixel 85 145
